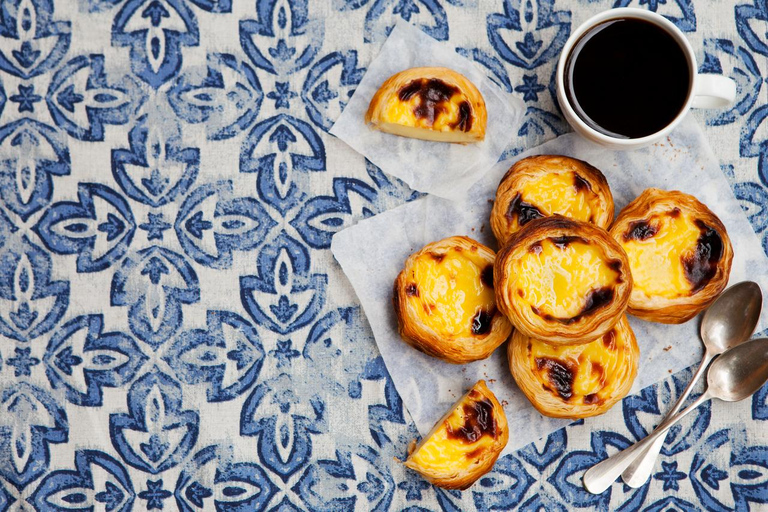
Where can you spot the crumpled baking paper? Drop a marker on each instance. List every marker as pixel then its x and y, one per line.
pixel 373 252
pixel 439 168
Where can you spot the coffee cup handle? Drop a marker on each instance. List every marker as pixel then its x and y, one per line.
pixel 713 91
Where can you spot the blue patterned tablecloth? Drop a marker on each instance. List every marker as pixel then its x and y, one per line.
pixel 174 333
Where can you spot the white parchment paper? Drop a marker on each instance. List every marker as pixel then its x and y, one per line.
pixel 373 252
pixel 442 169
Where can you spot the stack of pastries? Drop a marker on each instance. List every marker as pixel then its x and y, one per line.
pixel 559 290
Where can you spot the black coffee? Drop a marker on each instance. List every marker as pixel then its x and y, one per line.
pixel 627 78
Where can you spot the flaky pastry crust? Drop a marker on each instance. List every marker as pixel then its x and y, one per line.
pixel 562 281
pixel 575 381
pixel 679 252
pixel 457 327
pixel 465 443
pixel 545 185
pixel 430 103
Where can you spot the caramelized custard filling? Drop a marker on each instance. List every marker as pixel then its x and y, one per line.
pixel 672 255
pixel 564 193
pixel 429 103
pixel 581 374
pixel 453 292
pixel 469 430
pixel 563 279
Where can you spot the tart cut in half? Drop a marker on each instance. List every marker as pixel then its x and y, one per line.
pixel 445 302
pixel 679 253
pixel 465 443
pixel 436 104
pixel 575 381
pixel 562 281
pixel 545 185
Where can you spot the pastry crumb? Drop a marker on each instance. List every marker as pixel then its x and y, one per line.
pixel 504 403
pixel 667 349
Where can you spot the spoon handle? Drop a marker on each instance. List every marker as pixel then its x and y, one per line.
pixel 601 476
pixel 638 472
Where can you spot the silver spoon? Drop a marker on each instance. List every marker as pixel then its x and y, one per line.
pixel 728 322
pixel 734 376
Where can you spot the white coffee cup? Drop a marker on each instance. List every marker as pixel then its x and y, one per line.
pixel 705 90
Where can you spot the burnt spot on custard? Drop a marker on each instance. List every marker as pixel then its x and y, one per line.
pixel 701 265
pixel 596 299
pixel 481 322
pixel 433 94
pixel 486 276
pixel 474 454
pixel 609 340
pixel 464 120
pixel 560 375
pixel 479 420
pixel 412 290
pixel 535 248
pixel 640 230
pixel 598 370
pixel 561 242
pixel 580 184
pixel 524 212
pixel 437 256
pixel 592 399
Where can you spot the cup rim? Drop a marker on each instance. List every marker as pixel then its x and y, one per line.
pixel 611 14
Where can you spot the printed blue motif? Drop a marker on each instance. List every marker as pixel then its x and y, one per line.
pixel 155 308
pixel 85 364
pixel 237 223
pixel 285 147
pixel 524 21
pixel 231 487
pixel 98 481
pixel 289 296
pixel 30 154
pixel 679 12
pixel 228 355
pixel 226 99
pixel 155 31
pixel 323 100
pixel 157 433
pixel 282 39
pixel 156 169
pixel 30 418
pixel 99 228
pixel 33 40
pixel 31 302
pixel 83 112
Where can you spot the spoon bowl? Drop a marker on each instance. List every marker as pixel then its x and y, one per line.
pixel 732 318
pixel 727 323
pixel 740 372
pixel 735 376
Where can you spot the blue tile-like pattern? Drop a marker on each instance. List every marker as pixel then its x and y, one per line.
pixel 174 334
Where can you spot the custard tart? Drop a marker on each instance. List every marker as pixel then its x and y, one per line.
pixel 445 302
pixel 562 280
pixel 575 381
pixel 465 443
pixel 436 104
pixel 679 253
pixel 541 186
